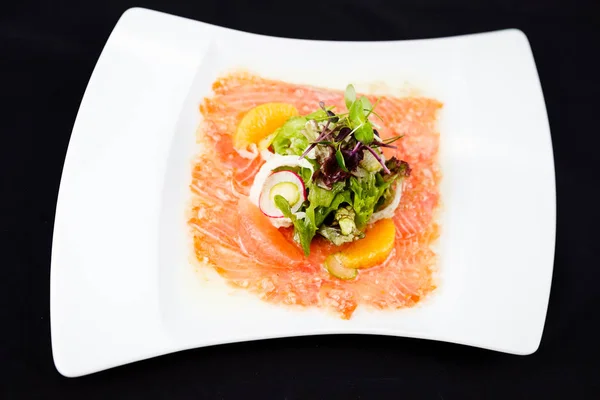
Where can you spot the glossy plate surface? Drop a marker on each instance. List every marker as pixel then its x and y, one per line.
pixel 122 287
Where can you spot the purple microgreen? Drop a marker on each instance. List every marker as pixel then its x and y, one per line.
pixel 330 114
pixel 353 157
pixel 330 171
pixel 343 134
pixel 357 147
pixel 308 149
pixel 324 134
pixel 333 118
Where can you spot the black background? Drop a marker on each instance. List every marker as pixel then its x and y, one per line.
pixel 47 53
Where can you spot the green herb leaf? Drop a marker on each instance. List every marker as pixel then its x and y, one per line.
pixel 365 134
pixel 366 105
pixel 377 115
pixel 349 96
pixel 284 206
pixel 363 131
pixel 392 139
pixel 372 110
pixel 356 114
pixel 340 160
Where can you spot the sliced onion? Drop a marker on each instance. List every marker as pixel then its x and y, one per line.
pixel 266 154
pixel 275 161
pixel 388 211
pixel 284 183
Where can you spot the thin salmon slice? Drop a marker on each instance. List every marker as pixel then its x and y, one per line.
pixel 263 241
pixel 232 236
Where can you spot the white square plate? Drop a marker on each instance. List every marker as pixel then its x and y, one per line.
pixel 122 288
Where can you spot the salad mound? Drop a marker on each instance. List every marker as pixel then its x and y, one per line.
pixel 326 174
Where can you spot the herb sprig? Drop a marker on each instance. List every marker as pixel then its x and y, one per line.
pixel 344 138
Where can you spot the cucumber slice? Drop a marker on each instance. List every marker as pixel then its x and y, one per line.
pixel 286 184
pixel 287 190
pixel 337 269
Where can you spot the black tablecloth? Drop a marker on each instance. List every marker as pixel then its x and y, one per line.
pixel 48 51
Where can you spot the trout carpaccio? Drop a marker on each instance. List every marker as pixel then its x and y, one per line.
pixel 232 236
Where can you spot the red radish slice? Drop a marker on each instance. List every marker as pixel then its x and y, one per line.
pixel 284 183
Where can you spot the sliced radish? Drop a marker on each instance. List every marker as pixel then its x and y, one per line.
pixel 287 184
pixel 273 162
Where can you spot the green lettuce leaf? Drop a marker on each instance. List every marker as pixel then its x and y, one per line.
pixel 304 229
pixel 294 137
pixel 319 196
pixel 318 115
pixel 323 211
pixel 323 201
pixel 289 139
pixel 366 192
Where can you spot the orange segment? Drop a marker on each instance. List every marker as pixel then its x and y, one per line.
pixel 372 250
pixel 260 122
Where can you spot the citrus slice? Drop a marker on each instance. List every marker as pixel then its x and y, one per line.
pixel 335 268
pixel 260 122
pixel 364 253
